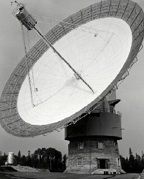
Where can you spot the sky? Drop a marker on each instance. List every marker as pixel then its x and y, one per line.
pixel 131 91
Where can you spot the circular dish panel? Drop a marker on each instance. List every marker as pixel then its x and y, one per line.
pixel 97 50
pixel 100 42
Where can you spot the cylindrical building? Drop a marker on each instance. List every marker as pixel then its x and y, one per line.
pixel 93 146
pixel 10 159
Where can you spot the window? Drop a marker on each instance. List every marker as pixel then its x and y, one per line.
pixel 81 145
pixel 100 145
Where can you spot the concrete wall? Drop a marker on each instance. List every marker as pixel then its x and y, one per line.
pixel 86 160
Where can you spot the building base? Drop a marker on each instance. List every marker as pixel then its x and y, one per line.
pixel 99 156
pixel 93 144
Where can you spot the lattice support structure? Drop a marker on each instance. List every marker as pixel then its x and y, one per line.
pixel 93 141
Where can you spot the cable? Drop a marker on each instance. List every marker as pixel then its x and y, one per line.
pixel 33 84
pixel 27 66
pixel 32 72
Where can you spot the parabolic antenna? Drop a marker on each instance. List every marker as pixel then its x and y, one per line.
pixel 95 47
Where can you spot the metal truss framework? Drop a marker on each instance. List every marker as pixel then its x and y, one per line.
pixel 127 10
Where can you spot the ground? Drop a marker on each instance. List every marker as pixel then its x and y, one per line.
pixel 47 175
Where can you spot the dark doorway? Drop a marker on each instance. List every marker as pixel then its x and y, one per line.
pixel 103 163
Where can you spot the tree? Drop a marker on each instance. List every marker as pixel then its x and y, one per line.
pixel 44 158
pixel 132 164
pixel 19 157
pixel 3 159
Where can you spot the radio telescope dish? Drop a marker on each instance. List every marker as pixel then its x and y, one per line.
pixel 99 42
